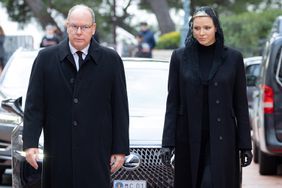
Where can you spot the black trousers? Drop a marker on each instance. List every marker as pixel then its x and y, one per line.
pixel 204 173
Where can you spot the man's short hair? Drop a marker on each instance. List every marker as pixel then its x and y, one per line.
pixel 144 23
pixel 82 6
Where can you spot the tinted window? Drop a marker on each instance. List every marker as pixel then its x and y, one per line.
pixel 278 63
pixel 253 69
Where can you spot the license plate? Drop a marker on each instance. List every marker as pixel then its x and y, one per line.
pixel 130 184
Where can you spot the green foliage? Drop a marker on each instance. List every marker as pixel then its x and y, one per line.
pixel 243 31
pixel 171 3
pixel 248 31
pixel 168 41
pixel 64 6
pixel 226 6
pixel 18 11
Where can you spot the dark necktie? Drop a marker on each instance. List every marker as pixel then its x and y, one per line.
pixel 80 60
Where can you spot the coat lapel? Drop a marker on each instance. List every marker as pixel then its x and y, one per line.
pixel 65 56
pixel 218 61
pixel 94 52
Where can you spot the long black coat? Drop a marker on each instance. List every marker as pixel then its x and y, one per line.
pixel 84 115
pixel 228 119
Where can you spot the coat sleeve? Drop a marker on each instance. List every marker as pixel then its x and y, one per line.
pixel 241 106
pixel 120 114
pixel 33 112
pixel 172 103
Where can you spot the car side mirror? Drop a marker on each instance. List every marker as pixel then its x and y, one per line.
pixel 251 80
pixel 13 105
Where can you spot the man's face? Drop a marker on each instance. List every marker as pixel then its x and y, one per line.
pixel 143 27
pixel 80 28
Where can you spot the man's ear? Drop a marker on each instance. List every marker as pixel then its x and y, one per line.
pixel 94 28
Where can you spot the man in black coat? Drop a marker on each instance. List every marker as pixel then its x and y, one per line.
pixel 82 109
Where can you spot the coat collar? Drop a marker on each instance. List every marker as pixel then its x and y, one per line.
pixel 191 64
pixel 93 51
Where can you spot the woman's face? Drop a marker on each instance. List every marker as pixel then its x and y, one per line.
pixel 204 30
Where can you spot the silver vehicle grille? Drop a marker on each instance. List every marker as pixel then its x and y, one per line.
pixel 151 170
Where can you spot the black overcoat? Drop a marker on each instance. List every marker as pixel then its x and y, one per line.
pixel 228 118
pixel 84 115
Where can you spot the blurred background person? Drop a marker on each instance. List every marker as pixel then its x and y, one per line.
pixel 2 49
pixel 148 35
pixel 143 48
pixel 50 38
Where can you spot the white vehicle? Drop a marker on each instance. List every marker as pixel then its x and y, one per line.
pixel 147 89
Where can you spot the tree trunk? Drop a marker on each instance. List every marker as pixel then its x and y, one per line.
pixel 39 10
pixel 161 10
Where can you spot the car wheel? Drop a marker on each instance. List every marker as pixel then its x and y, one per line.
pixel 256 152
pixel 267 164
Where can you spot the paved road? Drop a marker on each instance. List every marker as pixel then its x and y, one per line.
pixel 252 178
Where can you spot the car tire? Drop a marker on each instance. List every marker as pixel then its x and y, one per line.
pixel 2 171
pixel 267 164
pixel 256 153
pixel 6 179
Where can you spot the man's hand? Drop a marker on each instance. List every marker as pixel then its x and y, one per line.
pixel 31 156
pixel 246 157
pixel 116 162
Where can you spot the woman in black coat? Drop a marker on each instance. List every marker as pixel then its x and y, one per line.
pixel 207 121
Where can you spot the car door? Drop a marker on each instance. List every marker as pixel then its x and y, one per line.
pixel 277 89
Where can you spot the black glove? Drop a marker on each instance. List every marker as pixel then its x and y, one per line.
pixel 166 154
pixel 246 157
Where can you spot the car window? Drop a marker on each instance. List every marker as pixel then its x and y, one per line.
pixel 253 69
pixel 278 67
pixel 15 79
pixel 146 88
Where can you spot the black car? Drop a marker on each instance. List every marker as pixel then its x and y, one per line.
pixel 267 119
pixel 276 27
pixel 146 84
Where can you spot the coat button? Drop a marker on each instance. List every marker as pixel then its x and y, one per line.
pixel 217 101
pixel 215 83
pixel 220 138
pixel 218 119
pixel 74 123
pixel 72 80
pixel 75 100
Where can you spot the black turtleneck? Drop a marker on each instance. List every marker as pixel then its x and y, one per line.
pixel 206 55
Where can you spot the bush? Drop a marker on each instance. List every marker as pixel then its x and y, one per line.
pixel 168 40
pixel 248 31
